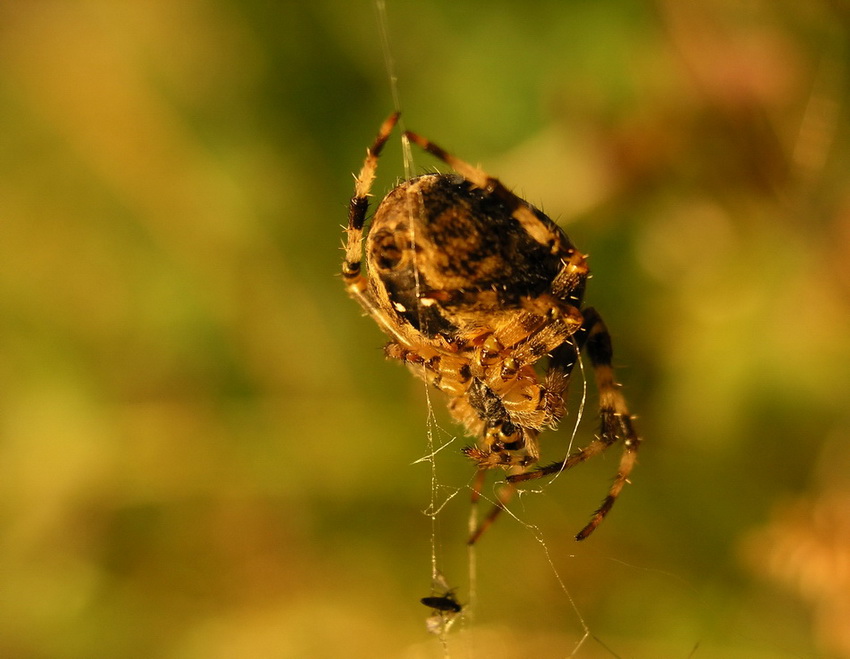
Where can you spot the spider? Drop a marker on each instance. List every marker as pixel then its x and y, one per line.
pixel 481 295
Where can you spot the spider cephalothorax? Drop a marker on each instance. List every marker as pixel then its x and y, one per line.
pixel 481 294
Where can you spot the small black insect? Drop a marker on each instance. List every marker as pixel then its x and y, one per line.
pixel 446 603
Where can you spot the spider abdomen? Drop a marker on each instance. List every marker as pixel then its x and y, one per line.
pixel 447 254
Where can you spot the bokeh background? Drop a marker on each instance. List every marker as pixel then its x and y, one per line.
pixel 202 450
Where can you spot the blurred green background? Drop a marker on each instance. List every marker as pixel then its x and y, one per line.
pixel 202 450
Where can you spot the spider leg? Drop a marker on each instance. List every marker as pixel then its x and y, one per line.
pixel 503 496
pixel 615 422
pixel 355 283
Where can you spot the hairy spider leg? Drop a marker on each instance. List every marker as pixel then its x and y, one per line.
pixel 355 283
pixel 615 422
pixel 503 496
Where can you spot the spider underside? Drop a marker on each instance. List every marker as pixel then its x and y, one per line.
pixel 481 295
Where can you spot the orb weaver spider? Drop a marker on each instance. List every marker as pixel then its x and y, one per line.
pixel 481 294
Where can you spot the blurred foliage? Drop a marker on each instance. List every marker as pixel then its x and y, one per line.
pixel 202 453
